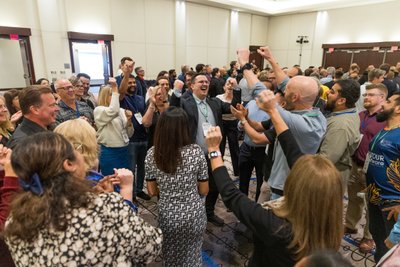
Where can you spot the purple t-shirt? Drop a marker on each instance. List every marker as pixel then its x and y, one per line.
pixel 369 127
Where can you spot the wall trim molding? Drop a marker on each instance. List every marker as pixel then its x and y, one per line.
pixel 90 36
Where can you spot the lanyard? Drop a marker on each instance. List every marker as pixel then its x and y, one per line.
pixel 379 137
pixel 346 112
pixel 366 119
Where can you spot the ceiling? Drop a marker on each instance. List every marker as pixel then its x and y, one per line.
pixel 282 7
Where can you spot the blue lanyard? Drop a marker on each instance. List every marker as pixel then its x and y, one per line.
pixel 346 112
pixel 378 136
pixel 366 119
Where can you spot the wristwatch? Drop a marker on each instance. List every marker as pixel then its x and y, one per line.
pixel 214 154
pixel 247 66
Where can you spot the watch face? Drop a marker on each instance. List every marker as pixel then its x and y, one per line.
pixel 214 154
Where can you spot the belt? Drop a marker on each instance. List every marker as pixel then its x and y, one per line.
pixel 276 191
pixel 255 147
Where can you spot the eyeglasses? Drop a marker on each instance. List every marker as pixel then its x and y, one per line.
pixel 66 88
pixel 79 148
pixel 371 94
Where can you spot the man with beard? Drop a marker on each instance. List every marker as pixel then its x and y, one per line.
pixel 342 136
pixel 308 125
pixel 138 142
pixel 382 167
pixel 203 113
pixel 374 97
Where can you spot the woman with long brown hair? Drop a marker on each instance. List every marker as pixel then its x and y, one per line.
pixel 176 169
pixel 308 218
pixel 60 220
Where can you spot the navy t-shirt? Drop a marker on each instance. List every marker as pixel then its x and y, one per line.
pixel 383 174
pixel 135 103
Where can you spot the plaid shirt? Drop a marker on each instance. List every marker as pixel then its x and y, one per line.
pixel 67 113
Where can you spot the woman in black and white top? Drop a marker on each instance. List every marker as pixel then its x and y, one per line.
pixel 60 221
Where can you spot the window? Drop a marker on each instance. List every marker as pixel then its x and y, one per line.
pixel 91 54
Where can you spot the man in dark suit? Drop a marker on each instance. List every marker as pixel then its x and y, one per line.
pixel 204 112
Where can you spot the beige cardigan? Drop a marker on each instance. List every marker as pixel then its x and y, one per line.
pixel 111 123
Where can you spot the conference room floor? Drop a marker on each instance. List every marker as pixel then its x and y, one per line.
pixel 231 245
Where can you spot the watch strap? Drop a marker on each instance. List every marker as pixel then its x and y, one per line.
pixel 214 154
pixel 247 66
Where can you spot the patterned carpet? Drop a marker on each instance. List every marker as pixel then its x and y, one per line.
pixel 231 245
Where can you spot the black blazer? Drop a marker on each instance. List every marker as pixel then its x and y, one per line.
pixel 188 104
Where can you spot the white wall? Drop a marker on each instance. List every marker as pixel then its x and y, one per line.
pixel 157 34
pixel 371 23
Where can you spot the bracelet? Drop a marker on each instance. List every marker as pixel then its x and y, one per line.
pixel 243 122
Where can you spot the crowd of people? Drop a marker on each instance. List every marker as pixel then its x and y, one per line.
pixel 73 164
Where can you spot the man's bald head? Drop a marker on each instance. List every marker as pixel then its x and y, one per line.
pixel 305 88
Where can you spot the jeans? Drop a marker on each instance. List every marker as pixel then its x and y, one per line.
pixel 357 183
pixel 113 157
pixel 380 228
pixel 137 153
pixel 274 196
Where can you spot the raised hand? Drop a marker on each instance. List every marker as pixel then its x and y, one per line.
pixel 266 101
pixel 243 55
pixel 112 81
pixel 16 116
pixel 265 52
pixel 239 112
pixel 213 138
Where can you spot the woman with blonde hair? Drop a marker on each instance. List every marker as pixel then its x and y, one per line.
pixel 83 138
pixel 157 105
pixel 114 128
pixel 308 218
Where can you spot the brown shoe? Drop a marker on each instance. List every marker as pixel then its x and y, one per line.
pixel 366 245
pixel 350 231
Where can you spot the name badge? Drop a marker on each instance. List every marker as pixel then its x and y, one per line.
pixel 125 136
pixel 139 118
pixel 366 163
pixel 206 127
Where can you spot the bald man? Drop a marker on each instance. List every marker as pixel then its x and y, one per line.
pixel 307 124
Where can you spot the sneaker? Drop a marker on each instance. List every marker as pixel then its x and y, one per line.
pixel 366 245
pixel 215 220
pixel 143 195
pixel 350 231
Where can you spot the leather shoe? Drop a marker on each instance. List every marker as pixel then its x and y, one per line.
pixel 366 245
pixel 215 220
pixel 350 231
pixel 143 195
